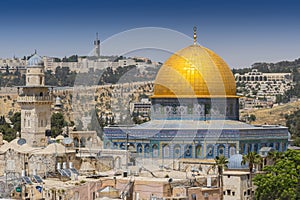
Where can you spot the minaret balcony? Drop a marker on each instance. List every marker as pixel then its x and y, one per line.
pixel 35 99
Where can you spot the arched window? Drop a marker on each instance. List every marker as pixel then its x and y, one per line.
pixel 155 151
pixel 221 150
pixel 146 150
pixel 76 142
pixel 188 151
pixel 83 141
pixel 139 149
pixel 232 150
pixel 177 151
pixel 115 145
pixel 122 146
pixel 166 151
pixel 210 151
pixel 198 153
pixel 242 148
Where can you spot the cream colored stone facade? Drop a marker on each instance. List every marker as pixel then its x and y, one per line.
pixel 236 185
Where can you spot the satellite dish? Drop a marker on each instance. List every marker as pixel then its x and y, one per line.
pixel 21 141
pixel 67 140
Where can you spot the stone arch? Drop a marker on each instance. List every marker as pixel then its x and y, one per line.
pixel 117 162
pixel 177 151
pixel 76 142
pixel 89 141
pixel 198 152
pixel 265 78
pixel 83 142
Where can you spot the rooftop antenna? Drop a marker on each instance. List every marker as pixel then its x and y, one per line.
pixel 195 35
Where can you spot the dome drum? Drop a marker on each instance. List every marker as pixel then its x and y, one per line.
pixel 195 109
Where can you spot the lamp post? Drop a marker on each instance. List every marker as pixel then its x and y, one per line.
pixel 126 150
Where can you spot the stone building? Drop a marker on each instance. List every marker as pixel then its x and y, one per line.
pixel 263 85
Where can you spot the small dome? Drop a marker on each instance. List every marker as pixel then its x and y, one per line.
pixel 234 162
pixel 58 101
pixel 59 137
pixel 35 60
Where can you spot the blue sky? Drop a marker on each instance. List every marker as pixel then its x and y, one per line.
pixel 241 32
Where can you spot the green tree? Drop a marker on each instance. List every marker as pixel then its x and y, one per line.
pixel 274 156
pixel 8 133
pixel 252 118
pixel 16 121
pixel 252 158
pixel 57 123
pixel 281 180
pixel 221 164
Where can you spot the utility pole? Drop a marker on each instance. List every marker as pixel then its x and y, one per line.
pixel 126 150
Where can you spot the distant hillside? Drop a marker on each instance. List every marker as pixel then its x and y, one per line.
pixel 275 115
pixel 279 67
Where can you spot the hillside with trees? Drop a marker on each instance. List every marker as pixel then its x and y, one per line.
pixel 280 180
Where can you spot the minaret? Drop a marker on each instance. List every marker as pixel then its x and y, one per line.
pixel 97 46
pixel 35 102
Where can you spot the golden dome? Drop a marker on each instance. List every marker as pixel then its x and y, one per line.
pixel 194 72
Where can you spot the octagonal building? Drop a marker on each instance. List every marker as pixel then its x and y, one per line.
pixel 195 113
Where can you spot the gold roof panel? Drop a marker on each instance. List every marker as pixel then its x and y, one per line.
pixel 194 72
